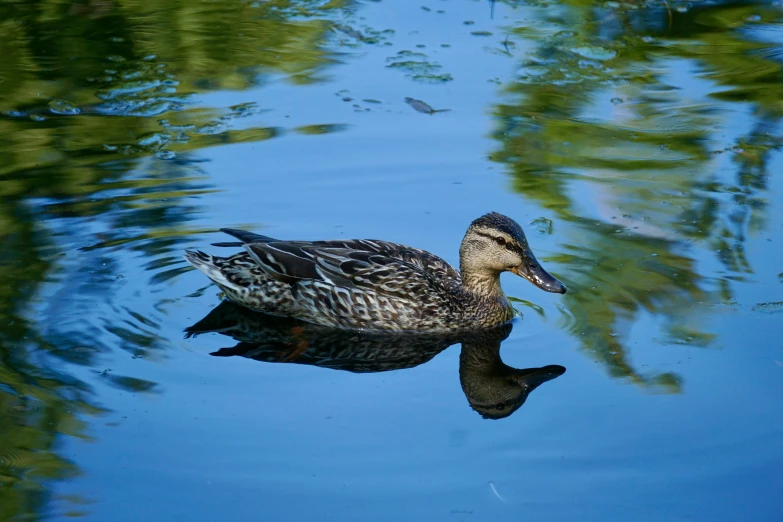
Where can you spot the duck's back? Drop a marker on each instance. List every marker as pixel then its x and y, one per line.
pixel 366 284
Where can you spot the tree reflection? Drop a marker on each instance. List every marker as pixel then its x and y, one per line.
pixel 92 93
pixel 603 129
pixel 100 122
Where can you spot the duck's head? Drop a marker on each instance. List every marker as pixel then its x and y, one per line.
pixel 495 243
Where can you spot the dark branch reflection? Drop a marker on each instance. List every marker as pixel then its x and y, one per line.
pixel 493 389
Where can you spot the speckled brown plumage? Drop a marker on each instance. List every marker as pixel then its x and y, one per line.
pixel 372 284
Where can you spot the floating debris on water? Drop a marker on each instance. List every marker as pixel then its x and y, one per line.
pixel 418 67
pixel 495 491
pixel 353 33
pixel 769 308
pixel 369 36
pixel 422 106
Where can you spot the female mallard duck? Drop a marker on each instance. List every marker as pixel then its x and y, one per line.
pixel 376 285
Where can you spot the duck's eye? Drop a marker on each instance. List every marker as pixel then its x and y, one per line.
pixel 500 241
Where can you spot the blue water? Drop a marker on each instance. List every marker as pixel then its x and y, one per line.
pixel 637 144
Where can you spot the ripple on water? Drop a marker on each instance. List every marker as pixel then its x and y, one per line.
pixel 13 459
pixel 568 321
pixel 20 407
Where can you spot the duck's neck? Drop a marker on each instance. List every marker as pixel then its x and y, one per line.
pixel 489 306
pixel 484 284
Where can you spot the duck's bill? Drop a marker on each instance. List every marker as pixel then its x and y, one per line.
pixel 533 272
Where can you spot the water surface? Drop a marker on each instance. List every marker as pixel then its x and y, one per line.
pixel 639 145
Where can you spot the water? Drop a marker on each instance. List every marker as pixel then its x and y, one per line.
pixel 637 143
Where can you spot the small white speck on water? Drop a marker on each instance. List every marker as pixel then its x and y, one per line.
pixel 495 491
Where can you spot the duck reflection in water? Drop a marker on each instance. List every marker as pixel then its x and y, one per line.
pixel 493 389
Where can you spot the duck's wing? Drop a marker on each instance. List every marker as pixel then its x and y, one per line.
pixel 302 267
pixel 382 267
pixel 429 263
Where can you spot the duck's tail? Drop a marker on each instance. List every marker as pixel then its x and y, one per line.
pixel 210 266
pixel 244 238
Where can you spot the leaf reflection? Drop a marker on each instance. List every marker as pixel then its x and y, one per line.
pixel 100 120
pixel 601 128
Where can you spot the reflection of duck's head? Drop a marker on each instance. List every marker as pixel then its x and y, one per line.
pixel 492 388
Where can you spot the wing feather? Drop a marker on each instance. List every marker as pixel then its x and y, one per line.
pixel 386 268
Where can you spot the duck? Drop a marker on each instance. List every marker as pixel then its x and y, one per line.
pixel 368 284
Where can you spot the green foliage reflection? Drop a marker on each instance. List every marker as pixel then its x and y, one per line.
pixel 615 125
pixel 99 117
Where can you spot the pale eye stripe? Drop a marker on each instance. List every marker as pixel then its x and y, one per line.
pixel 491 236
